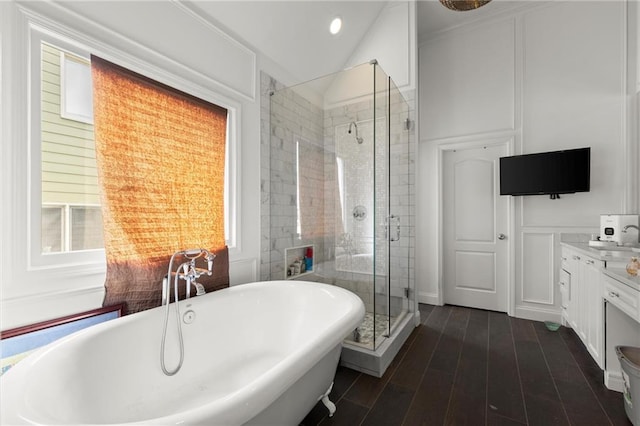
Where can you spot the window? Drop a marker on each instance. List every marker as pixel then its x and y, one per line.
pixel 76 102
pixel 70 215
pixel 70 197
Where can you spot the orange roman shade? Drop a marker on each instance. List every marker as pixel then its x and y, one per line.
pixel 161 160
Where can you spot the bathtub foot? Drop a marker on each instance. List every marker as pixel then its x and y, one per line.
pixel 327 403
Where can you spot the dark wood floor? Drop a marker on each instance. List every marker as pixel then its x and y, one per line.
pixel 474 367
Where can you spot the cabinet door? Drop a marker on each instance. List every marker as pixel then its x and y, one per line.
pixel 579 293
pixel 592 278
pixel 567 265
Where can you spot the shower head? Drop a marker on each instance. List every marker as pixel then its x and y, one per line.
pixel 358 138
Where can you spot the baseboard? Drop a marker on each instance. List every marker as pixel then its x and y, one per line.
pixel 537 314
pixel 428 298
pixel 613 381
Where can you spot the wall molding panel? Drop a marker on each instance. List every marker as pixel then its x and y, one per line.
pixel 243 271
pixel 582 103
pixel 496 81
pixel 20 311
pixel 537 254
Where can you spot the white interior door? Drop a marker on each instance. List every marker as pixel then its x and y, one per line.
pixel 475 226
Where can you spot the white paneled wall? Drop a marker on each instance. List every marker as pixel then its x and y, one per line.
pixel 544 77
pixel 461 92
pixel 537 283
pixel 573 90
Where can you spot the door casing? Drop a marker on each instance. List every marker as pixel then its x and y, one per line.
pixel 509 142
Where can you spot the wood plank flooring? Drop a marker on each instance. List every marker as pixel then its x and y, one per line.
pixel 466 366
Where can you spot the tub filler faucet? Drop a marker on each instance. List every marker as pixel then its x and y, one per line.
pixel 190 273
pixel 187 271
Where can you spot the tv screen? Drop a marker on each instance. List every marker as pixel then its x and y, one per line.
pixel 557 172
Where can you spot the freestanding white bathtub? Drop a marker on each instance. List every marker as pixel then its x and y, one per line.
pixel 260 353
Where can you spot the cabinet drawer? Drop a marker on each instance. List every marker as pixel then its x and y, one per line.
pixel 623 297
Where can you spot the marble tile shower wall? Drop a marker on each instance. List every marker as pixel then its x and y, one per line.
pixel 268 85
pixel 296 119
pixel 296 127
pixel 402 190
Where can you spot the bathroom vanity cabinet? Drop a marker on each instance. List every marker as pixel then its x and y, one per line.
pixel 586 283
pixel 584 307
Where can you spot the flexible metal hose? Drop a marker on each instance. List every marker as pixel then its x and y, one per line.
pixel 166 321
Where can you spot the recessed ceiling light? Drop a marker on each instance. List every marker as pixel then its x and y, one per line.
pixel 335 26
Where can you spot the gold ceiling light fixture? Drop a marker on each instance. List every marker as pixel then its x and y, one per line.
pixel 463 5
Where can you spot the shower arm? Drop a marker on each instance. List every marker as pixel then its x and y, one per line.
pixel 354 124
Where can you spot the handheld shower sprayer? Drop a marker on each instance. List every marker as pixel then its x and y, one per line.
pixel 358 138
pixel 188 272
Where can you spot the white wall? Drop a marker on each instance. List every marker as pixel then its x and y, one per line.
pixel 391 40
pixel 544 77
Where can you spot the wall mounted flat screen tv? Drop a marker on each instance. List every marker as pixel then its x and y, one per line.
pixel 553 173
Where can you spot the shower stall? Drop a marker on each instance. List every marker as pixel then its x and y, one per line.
pixel 339 185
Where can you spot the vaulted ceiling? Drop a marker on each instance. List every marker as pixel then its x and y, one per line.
pixel 295 33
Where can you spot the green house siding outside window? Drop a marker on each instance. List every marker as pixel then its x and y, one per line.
pixel 71 216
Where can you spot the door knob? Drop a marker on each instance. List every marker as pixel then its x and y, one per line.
pixel 502 237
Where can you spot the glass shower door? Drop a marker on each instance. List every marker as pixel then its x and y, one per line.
pixel 399 207
pixel 383 221
pixel 392 206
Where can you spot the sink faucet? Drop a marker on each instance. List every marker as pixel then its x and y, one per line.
pixel 632 226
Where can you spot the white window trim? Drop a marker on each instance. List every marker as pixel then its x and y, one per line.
pixel 93 261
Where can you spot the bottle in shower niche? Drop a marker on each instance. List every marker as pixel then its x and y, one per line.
pixel 308 258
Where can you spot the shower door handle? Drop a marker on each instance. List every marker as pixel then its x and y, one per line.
pixel 392 220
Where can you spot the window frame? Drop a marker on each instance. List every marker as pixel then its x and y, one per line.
pixel 94 260
pixel 66 223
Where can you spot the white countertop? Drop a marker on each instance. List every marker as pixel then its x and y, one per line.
pixel 614 254
pixel 620 274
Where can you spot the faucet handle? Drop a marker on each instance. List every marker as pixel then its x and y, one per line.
pixel 210 258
